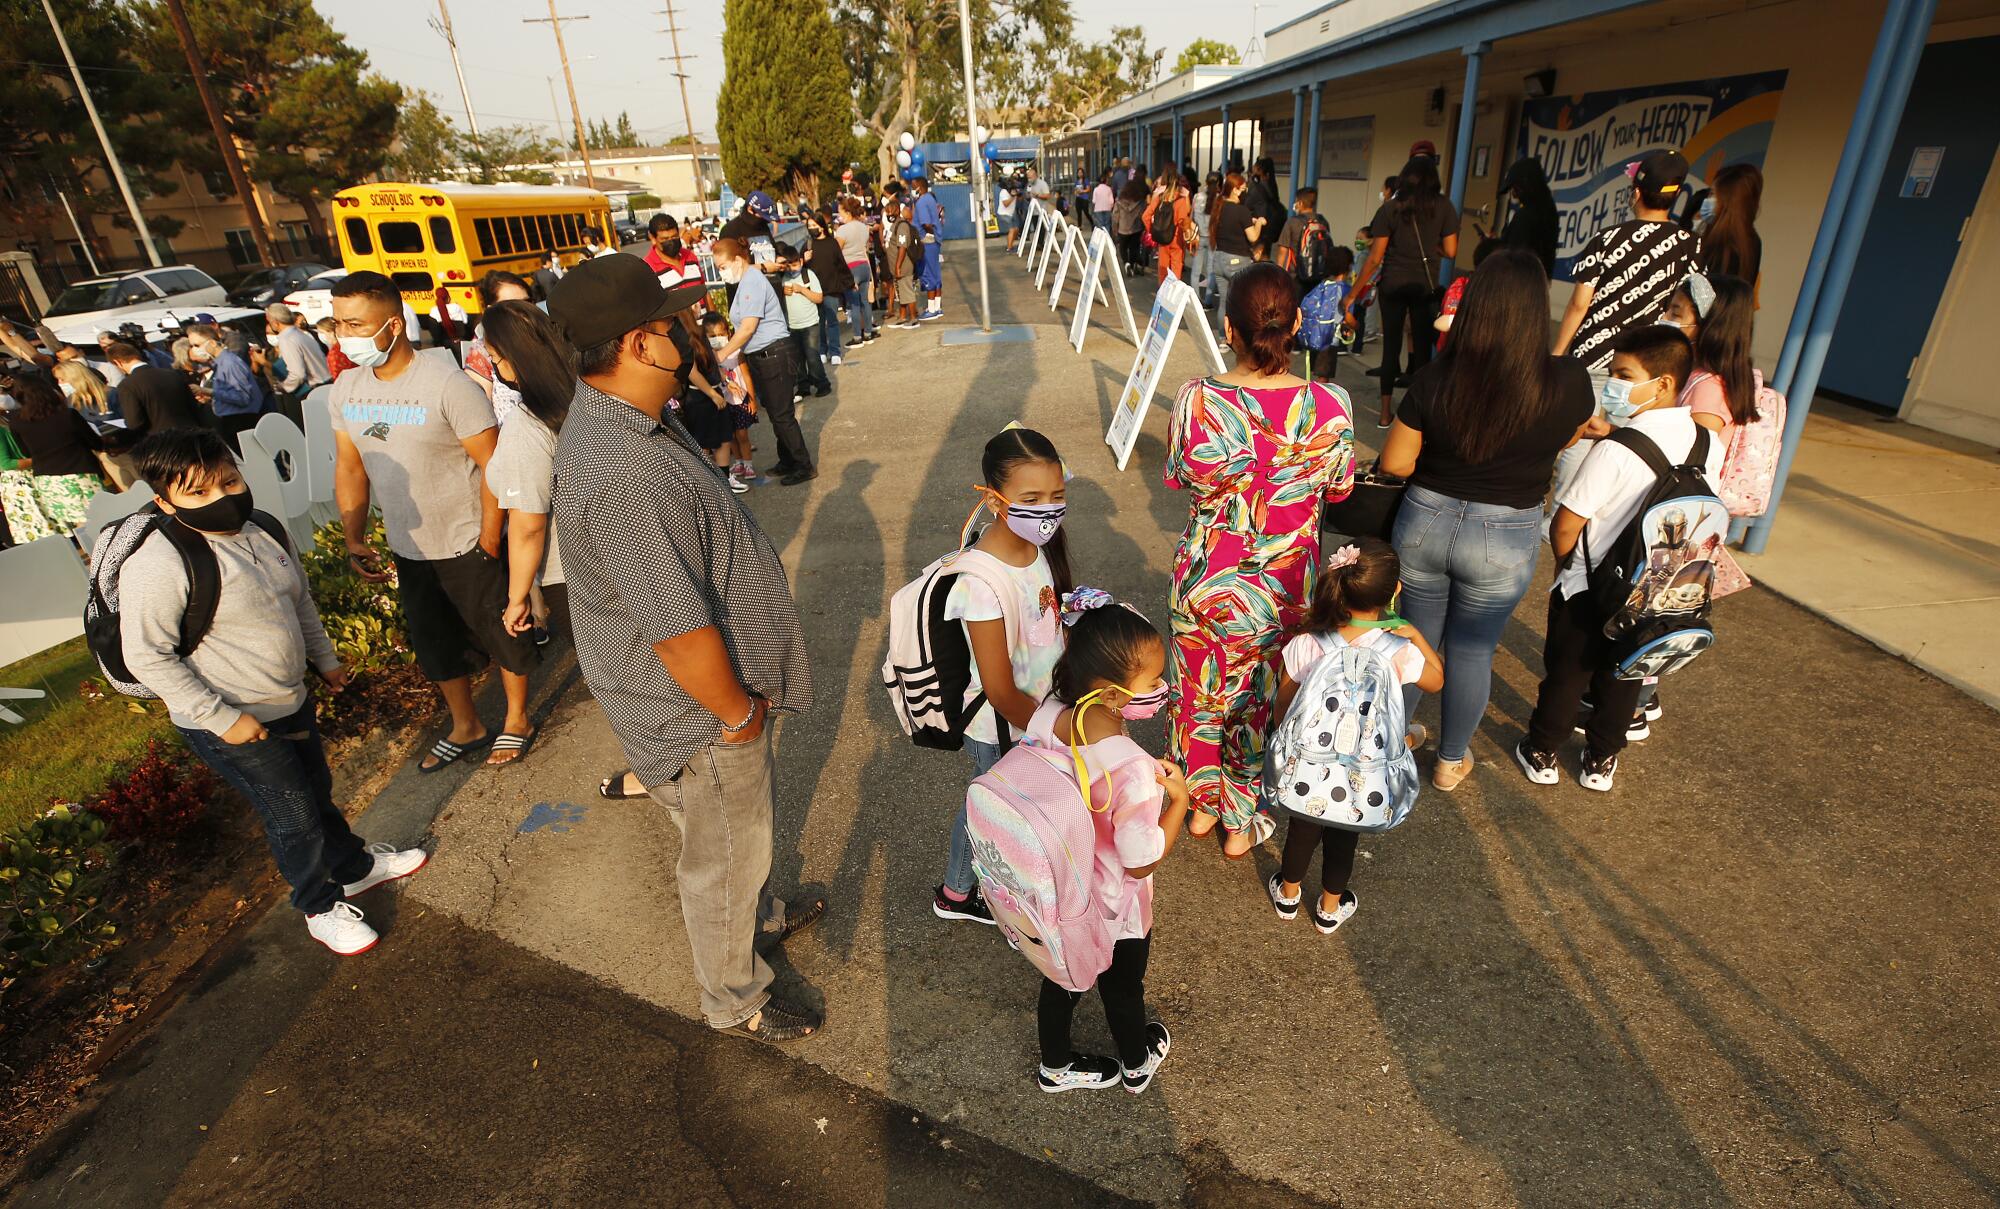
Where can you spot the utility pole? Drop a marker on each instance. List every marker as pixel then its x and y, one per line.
pixel 687 114
pixel 104 141
pixel 556 108
pixel 576 115
pixel 980 200
pixel 443 26
pixel 224 143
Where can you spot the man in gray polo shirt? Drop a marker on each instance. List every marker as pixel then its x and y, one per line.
pixel 685 628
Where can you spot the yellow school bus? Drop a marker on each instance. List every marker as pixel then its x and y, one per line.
pixel 426 236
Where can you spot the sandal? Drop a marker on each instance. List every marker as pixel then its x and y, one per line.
pixel 1262 828
pixel 778 1021
pixel 449 753
pixel 605 790
pixel 509 741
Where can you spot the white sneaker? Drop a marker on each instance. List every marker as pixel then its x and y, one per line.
pixel 390 864
pixel 1158 1042
pixel 833 361
pixel 342 929
pixel 737 484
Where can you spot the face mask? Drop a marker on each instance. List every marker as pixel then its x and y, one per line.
pixel 200 354
pixel 1144 705
pixel 363 351
pixel 732 273
pixel 226 515
pixel 671 248
pixel 1035 524
pixel 717 342
pixel 1617 401
pixel 1706 212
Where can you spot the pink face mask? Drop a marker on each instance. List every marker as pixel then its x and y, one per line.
pixel 1140 708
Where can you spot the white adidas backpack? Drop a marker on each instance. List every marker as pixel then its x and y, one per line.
pixel 1340 756
pixel 929 667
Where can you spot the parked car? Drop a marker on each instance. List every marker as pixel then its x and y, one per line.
pixel 160 324
pixel 266 286
pixel 628 231
pixel 314 298
pixel 118 294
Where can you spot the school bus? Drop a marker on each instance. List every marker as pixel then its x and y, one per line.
pixel 426 236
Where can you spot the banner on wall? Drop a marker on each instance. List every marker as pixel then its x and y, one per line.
pixel 949 172
pixel 1344 147
pixel 1585 142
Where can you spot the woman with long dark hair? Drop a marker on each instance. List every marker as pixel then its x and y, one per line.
pixel 1232 236
pixel 51 489
pixel 1409 235
pixel 1730 245
pixel 1534 221
pixel 496 287
pixel 534 360
pixel 1477 436
pixel 1259 449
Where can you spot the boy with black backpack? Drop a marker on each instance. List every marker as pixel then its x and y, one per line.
pixel 1305 244
pixel 200 601
pixel 1635 532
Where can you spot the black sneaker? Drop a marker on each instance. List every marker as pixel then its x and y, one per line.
pixel 1651 711
pixel 1596 773
pixel 807 475
pixel 780 470
pixel 1158 1042
pixel 973 909
pixel 1085 1072
pixel 1539 765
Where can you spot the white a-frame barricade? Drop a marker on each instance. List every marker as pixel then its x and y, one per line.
pixel 1102 262
pixel 1030 226
pixel 1072 253
pixel 1174 304
pixel 1054 234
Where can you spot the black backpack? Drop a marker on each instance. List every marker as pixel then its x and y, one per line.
pixel 1315 252
pixel 101 629
pixel 1655 587
pixel 1164 230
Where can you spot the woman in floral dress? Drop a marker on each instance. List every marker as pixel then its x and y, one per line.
pixel 1259 449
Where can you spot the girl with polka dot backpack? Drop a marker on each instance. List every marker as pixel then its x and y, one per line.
pixel 1342 760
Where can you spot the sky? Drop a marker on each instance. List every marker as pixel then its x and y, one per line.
pixel 510 67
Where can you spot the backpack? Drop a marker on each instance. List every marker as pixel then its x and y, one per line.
pixel 1750 465
pixel 1315 252
pixel 101 630
pixel 1163 229
pixel 1655 587
pixel 1034 849
pixel 1340 756
pixel 929 666
pixel 1321 316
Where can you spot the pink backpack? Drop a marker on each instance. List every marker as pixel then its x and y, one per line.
pixel 1033 846
pixel 1750 464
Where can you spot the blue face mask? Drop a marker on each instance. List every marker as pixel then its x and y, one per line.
pixel 1617 401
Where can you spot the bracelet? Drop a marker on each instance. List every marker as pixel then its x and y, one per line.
pixel 748 718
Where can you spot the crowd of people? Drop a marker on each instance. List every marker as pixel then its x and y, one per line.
pixel 612 420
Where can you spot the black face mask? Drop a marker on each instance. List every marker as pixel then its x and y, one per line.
pixel 226 515
pixel 671 248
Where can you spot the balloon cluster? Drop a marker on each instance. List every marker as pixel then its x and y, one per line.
pixel 910 160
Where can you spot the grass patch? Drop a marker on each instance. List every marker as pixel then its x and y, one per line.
pixel 66 747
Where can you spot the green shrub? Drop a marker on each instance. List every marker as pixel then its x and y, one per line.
pixel 52 875
pixel 364 620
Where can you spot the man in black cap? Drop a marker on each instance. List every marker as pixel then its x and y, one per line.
pixel 1626 274
pixel 685 629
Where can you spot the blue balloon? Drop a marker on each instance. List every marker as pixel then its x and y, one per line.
pixel 918 162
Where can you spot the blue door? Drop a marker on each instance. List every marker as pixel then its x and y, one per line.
pixel 1942 153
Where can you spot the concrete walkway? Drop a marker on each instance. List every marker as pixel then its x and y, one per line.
pixel 1759 972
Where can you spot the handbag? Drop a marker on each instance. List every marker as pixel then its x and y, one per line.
pixel 1369 509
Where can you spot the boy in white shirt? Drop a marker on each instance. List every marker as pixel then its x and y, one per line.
pixel 1648 368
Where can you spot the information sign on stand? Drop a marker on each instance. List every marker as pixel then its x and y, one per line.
pixel 1052 235
pixel 1171 307
pixel 1101 262
pixel 1070 251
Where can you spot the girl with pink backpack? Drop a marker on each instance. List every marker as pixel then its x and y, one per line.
pixel 1082 807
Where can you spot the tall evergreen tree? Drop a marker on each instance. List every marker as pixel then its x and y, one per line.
pixel 783 115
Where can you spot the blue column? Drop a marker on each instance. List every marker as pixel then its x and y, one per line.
pixel 1180 139
pixel 1228 139
pixel 1312 139
pixel 1898 49
pixel 1298 133
pixel 1461 152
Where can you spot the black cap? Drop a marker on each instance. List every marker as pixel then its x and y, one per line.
pixel 606 296
pixel 1662 173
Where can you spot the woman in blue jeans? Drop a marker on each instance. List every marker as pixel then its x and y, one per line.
pixel 1477 436
pixel 853 236
pixel 829 264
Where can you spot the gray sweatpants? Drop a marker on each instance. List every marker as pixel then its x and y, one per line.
pixel 722 803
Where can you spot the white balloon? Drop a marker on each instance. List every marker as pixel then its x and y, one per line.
pixel 909 142
pixel 981 134
pixel 903 158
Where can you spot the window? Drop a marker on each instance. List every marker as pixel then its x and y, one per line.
pixel 181 281
pixel 358 237
pixel 503 243
pixel 133 290
pixel 81 259
pixel 165 245
pixel 515 236
pixel 482 230
pixel 242 248
pixel 569 238
pixel 543 229
pixel 443 238
pixel 218 183
pixel 534 238
pixel 299 236
pixel 401 236
pixel 410 282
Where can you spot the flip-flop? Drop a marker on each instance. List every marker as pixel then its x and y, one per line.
pixel 1262 828
pixel 605 788
pixel 449 753
pixel 518 744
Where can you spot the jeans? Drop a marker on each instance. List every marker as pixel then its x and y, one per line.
pixel 1577 656
pixel 773 374
pixel 722 802
pixel 1465 567
pixel 958 876
pixel 1123 989
pixel 287 782
pixel 829 326
pixel 812 371
pixel 1222 269
pixel 1417 302
pixel 859 313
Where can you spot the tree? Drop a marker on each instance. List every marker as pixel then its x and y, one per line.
pixel 427 145
pixel 1083 78
pixel 46 141
pixel 1203 51
pixel 625 135
pixel 508 153
pixel 782 115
